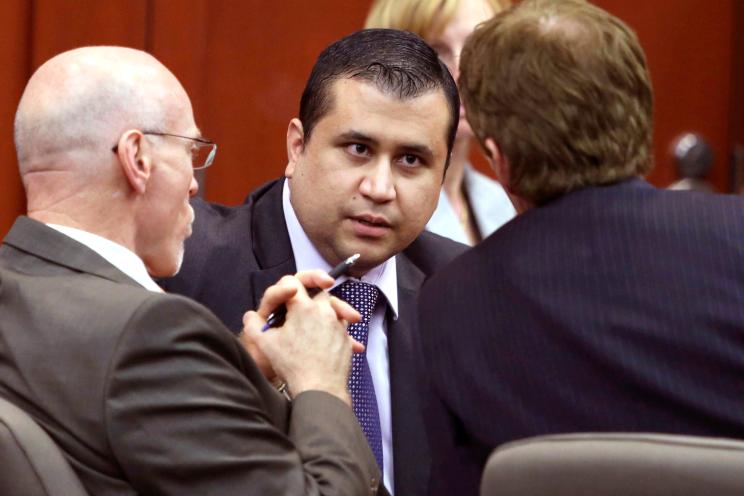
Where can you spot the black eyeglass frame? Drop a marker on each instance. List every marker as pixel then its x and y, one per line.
pixel 203 141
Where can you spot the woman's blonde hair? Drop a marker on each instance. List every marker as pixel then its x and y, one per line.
pixel 426 18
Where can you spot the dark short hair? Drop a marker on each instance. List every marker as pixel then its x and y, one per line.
pixel 563 88
pixel 396 62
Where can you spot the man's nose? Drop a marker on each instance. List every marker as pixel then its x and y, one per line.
pixel 378 183
pixel 193 187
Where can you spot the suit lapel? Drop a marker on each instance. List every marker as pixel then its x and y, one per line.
pixel 273 252
pixel 410 447
pixel 41 241
pixel 271 245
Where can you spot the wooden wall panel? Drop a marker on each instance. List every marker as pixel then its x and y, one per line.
pixel 14 56
pixel 60 25
pixel 736 118
pixel 244 63
pixel 33 32
pixel 689 45
pixel 689 49
pixel 178 35
pixel 259 56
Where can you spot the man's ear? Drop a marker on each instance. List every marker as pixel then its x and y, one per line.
pixel 133 152
pixel 502 170
pixel 498 162
pixel 295 145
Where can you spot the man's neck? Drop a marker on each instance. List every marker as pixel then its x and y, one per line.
pixel 521 205
pixel 306 256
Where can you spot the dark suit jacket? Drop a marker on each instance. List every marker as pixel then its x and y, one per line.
pixel 235 253
pixel 615 308
pixel 149 393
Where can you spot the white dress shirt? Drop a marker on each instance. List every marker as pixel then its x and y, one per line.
pixel 384 277
pixel 117 255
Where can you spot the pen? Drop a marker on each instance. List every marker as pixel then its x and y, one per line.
pixel 276 319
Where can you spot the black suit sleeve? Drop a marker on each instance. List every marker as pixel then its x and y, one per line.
pixel 188 412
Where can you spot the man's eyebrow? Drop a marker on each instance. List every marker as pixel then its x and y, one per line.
pixel 411 148
pixel 421 150
pixel 357 136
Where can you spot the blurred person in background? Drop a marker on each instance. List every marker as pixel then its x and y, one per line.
pixel 471 205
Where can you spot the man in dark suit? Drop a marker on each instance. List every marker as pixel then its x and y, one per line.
pixel 366 161
pixel 144 392
pixel 606 304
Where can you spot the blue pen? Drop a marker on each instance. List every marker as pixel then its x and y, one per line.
pixel 276 319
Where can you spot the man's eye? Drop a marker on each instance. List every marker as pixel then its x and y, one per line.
pixel 411 160
pixel 358 149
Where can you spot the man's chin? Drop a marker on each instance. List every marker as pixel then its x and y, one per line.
pixel 169 269
pixel 371 257
pixel 179 258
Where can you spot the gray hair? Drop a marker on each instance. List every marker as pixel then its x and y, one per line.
pixel 85 98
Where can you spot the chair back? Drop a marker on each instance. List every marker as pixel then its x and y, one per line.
pixel 30 463
pixel 616 464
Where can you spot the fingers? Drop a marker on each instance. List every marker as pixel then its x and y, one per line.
pixel 253 322
pixel 315 279
pixel 356 346
pixel 278 294
pixel 344 311
pixel 252 325
pixel 312 349
pixel 289 286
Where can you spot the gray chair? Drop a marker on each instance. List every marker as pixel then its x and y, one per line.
pixel 625 464
pixel 30 463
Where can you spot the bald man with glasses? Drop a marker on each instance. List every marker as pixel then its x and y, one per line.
pixel 145 392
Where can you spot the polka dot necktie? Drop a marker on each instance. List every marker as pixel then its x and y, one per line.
pixel 363 297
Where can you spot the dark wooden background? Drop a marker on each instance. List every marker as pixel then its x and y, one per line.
pixel 244 63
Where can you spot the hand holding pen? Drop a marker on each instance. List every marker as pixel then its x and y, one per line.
pixel 276 319
pixel 312 349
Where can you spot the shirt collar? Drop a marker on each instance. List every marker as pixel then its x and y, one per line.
pixel 117 255
pixel 307 257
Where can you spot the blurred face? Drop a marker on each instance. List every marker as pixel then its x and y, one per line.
pixel 368 179
pixel 167 215
pixel 448 44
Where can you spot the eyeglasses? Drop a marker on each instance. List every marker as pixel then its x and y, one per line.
pixel 202 152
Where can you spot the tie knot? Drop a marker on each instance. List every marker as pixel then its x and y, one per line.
pixel 360 295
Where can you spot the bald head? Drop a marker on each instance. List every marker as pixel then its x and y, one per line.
pixel 75 109
pixel 79 102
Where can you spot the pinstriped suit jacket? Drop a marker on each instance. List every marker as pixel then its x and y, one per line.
pixel 614 308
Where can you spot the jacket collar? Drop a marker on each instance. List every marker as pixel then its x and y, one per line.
pixel 39 240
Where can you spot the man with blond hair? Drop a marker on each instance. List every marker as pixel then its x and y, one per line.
pixel 606 304
pixel 145 392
